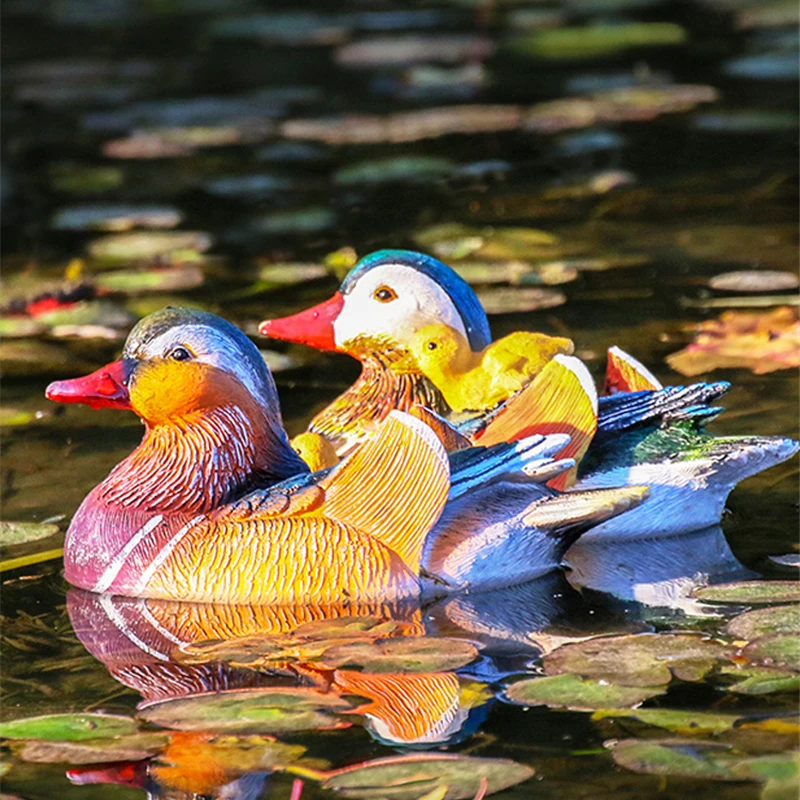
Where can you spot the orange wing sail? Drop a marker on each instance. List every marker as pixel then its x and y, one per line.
pixel 625 374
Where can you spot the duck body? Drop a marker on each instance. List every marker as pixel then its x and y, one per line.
pixel 389 297
pixel 215 505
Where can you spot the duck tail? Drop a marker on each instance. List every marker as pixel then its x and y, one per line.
pixel 624 373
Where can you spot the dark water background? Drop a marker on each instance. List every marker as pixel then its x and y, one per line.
pixel 705 191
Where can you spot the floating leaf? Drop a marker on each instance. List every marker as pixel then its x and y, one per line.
pixel 21 327
pixel 763 680
pixel 408 49
pixel 249 187
pixel 751 592
pixel 781 650
pixel 596 40
pixel 137 281
pixel 765 280
pixel 407 126
pixel 12 533
pixel 678 721
pixel 68 727
pixel 284 28
pixel 739 121
pixel 764 66
pixel 687 759
pixel 14 418
pixel 115 218
pixel 571 691
pixel 297 222
pixel 630 104
pixel 760 342
pixel 124 247
pixel 637 660
pixel 509 301
pixel 764 621
pixel 791 560
pixel 435 654
pixel 263 710
pixel 85 179
pixel 394 169
pixel 97 751
pixel 291 273
pixel 412 776
pixel 278 362
pixel 28 357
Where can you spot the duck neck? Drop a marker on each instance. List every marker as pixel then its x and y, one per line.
pixel 378 390
pixel 199 461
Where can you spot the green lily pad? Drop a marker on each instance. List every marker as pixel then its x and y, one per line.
pixel 267 710
pixel 126 247
pixel 170 279
pixel 97 751
pixel 516 300
pixel 410 777
pixel 757 680
pixel 12 533
pixel 84 179
pixel 402 655
pixel 683 722
pixel 299 221
pixel 29 357
pixel 596 40
pixel 21 327
pixel 686 759
pixel 765 621
pixel 68 727
pixel 638 659
pixel 389 170
pixel 781 650
pixel 571 691
pixel 15 418
pixel 90 312
pixel 751 592
pixel 291 273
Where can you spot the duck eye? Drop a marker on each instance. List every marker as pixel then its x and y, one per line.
pixel 180 354
pixel 432 345
pixel 384 294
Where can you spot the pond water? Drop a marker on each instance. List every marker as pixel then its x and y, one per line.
pixel 281 136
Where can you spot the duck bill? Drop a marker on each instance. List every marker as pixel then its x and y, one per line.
pixel 313 327
pixel 104 388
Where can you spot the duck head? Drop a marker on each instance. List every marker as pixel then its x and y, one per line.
pixel 387 296
pixel 202 390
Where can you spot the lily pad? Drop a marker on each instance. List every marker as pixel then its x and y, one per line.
pixel 74 178
pixel 258 711
pixel 766 280
pixel 248 187
pixel 136 281
pixel 571 691
pixel 685 723
pixel 115 218
pixel 751 592
pixel 126 247
pixel 383 51
pixel 509 301
pixel 447 777
pixel 291 273
pixel 394 169
pixel 68 727
pixel 300 221
pixel 781 650
pixel 12 533
pixel 763 680
pixel 594 41
pixel 765 621
pixel 19 327
pixel 637 660
pixel 97 751
pixel 686 759
pixel 435 654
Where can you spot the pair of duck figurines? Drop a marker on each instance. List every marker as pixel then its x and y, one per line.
pixel 216 505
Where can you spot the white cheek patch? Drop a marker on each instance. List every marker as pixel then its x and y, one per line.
pixel 420 301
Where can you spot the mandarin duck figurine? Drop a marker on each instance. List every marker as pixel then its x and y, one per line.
pixel 641 433
pixel 215 506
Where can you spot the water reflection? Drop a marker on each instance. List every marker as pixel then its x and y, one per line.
pixel 224 681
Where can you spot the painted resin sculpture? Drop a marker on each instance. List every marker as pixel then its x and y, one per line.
pixel 215 506
pixel 642 433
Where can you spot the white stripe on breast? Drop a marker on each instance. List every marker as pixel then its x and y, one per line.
pixel 165 552
pixel 112 570
pixel 113 614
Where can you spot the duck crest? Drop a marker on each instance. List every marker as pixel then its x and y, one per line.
pixel 379 389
